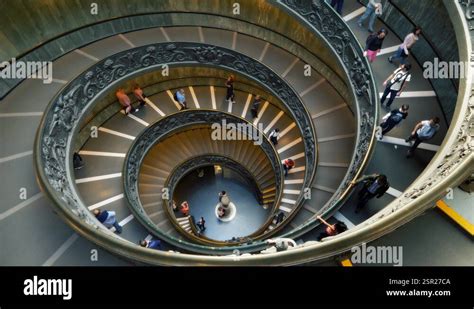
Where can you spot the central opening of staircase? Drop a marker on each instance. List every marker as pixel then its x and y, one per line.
pixel 207 189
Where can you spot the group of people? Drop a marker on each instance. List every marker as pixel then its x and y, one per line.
pixel 375 39
pixel 374 43
pixel 109 219
pixel 373 186
pixel 125 101
pixel 184 210
pixel 397 82
pixel 230 96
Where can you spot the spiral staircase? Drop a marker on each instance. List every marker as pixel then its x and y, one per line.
pixel 316 87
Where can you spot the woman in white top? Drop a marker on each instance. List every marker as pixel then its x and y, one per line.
pixel 404 49
pixel 274 135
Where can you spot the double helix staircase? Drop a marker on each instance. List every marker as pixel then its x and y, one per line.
pixel 325 97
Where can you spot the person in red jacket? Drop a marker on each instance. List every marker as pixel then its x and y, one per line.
pixel 288 164
pixel 185 208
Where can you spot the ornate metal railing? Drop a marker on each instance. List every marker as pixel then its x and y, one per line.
pixel 200 161
pixel 153 135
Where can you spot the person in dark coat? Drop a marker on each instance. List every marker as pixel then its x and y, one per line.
pixel 374 43
pixel 374 186
pixel 230 96
pixel 152 244
pixel 255 106
pixel 394 118
pixel 337 5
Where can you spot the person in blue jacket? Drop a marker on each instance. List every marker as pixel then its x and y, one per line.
pixel 152 244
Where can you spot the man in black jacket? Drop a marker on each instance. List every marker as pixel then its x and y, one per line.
pixel 374 186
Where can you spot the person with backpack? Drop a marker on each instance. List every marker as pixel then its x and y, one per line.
pixel 404 49
pixel 288 164
pixel 374 43
pixel 274 135
pixel 180 97
pixel 230 96
pixel 374 186
pixel 152 244
pixel 331 229
pixel 393 119
pixel 108 219
pixel 423 131
pixel 395 84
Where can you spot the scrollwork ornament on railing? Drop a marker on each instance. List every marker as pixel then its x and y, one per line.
pixel 468 6
pixel 459 151
pixel 336 32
